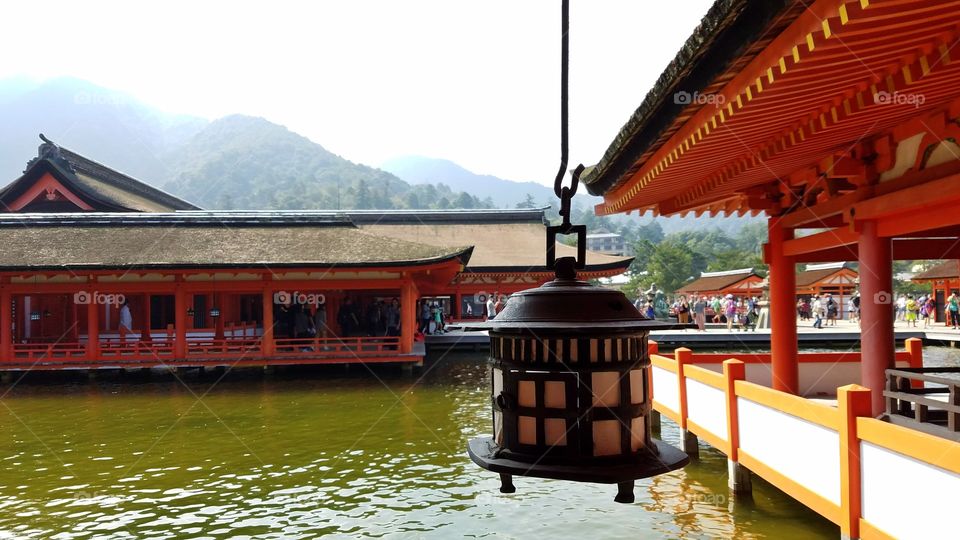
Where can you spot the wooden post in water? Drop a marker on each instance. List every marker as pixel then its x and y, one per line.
pixel 691 445
pixel 738 477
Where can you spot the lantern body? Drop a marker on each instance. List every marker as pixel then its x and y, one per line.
pixel 570 380
pixel 559 397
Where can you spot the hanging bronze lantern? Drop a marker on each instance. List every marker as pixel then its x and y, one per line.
pixel 569 369
pixel 570 372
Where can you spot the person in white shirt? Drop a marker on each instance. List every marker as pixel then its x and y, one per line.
pixel 491 306
pixel 126 320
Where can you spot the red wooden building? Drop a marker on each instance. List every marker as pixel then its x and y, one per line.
pixel 944 280
pixel 209 288
pixel 742 283
pixel 836 279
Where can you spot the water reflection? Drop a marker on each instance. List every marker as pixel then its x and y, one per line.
pixel 308 453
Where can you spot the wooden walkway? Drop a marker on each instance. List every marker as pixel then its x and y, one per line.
pixel 844 334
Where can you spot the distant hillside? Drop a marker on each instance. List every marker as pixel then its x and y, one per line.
pixel 245 162
pixel 503 193
pixel 235 162
pixel 109 126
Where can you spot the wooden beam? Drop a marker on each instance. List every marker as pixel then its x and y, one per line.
pixel 820 241
pixel 842 253
pixel 904 249
pixel 912 200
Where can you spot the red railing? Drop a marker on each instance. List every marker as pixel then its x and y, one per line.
pixel 336 346
pixel 34 351
pixel 228 347
pixel 133 348
pixel 161 349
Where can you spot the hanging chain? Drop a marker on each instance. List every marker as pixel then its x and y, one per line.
pixel 566 265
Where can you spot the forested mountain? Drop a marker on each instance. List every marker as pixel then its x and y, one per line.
pixel 230 163
pixel 504 193
pixel 247 162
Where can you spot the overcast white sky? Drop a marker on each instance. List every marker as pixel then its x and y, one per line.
pixel 475 82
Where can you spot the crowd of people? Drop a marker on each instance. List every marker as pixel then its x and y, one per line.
pixel 823 307
pixel 432 315
pixel 380 317
pixel 741 313
pixel 377 317
pixel 909 309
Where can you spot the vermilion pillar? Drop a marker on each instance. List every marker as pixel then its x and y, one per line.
pixel 783 315
pixel 6 322
pixel 266 341
pixel 74 323
pixel 408 315
pixel 180 322
pixel 218 322
pixel 93 329
pixel 876 326
pixel 145 316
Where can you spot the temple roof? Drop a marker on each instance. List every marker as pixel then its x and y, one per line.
pixel 95 240
pixel 503 240
pixel 717 281
pixel 776 93
pixel 945 270
pixel 95 184
pixel 730 34
pixel 817 272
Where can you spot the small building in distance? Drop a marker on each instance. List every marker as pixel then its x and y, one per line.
pixel 742 282
pixel 837 279
pixel 944 279
pixel 608 243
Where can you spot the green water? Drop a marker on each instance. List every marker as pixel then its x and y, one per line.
pixel 310 453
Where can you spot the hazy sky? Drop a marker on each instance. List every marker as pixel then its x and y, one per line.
pixel 475 82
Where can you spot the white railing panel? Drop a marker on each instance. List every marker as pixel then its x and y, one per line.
pixel 707 406
pixel 666 388
pixel 802 451
pixel 905 497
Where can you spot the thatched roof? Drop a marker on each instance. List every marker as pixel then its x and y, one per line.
pixel 99 186
pixel 731 34
pixel 503 240
pixel 204 240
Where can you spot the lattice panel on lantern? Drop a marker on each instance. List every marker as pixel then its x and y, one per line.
pixel 596 413
pixel 546 350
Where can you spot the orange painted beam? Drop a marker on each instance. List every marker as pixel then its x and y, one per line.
pixel 820 241
pixel 46 183
pixel 912 200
